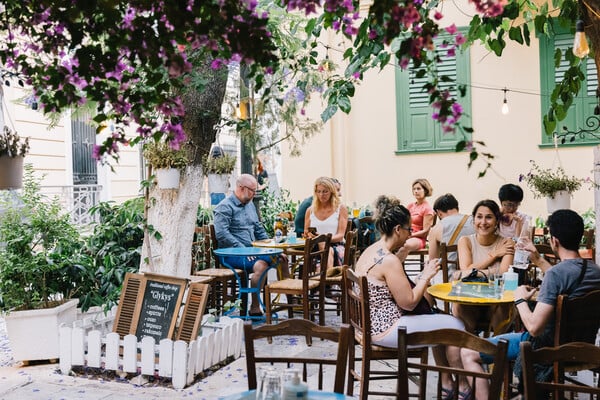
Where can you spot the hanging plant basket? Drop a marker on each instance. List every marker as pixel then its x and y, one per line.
pixel 218 183
pixel 560 201
pixel 11 172
pixel 167 178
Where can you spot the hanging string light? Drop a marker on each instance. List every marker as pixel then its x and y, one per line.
pixel 580 44
pixel 505 108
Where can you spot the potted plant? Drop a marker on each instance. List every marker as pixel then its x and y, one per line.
pixel 13 149
pixel 218 169
pixel 554 184
pixel 41 261
pixel 167 162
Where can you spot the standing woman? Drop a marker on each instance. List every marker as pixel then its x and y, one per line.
pixel 395 300
pixel 484 249
pixel 421 214
pixel 328 215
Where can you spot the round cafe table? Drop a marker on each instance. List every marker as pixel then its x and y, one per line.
pixel 470 294
pixel 245 257
pixel 475 294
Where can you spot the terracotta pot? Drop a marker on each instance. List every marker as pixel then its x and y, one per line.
pixel 11 172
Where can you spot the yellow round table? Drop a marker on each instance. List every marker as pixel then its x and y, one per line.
pixel 474 297
pixel 442 291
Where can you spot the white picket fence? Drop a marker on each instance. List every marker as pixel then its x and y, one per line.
pixel 177 360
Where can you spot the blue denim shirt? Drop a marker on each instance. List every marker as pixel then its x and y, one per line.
pixel 237 224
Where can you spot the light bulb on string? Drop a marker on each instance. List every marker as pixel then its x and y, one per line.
pixel 505 108
pixel 580 44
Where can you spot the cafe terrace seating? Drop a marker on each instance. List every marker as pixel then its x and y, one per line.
pixel 577 355
pixel 334 275
pixel 223 285
pixel 340 338
pixel 304 292
pixel 357 314
pixel 451 337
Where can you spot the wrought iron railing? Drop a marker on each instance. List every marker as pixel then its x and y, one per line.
pixel 77 200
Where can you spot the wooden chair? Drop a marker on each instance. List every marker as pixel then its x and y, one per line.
pixel 451 337
pixel 577 320
pixel 334 276
pixel 300 327
pixel 578 355
pixel 309 293
pixel 445 265
pixel 545 251
pixel 223 285
pixel 358 316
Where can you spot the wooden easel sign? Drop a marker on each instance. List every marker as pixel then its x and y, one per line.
pixel 149 305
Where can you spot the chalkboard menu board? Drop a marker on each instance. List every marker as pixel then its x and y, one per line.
pixel 159 308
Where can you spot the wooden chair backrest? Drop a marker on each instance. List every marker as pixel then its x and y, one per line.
pixel 350 248
pixel 214 244
pixel 446 263
pixel 451 337
pixel 316 256
pixel 577 318
pixel 576 354
pixel 357 307
pixel 300 327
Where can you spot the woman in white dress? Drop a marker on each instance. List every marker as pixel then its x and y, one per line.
pixel 327 215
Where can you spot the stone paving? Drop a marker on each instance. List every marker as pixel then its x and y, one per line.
pixel 44 381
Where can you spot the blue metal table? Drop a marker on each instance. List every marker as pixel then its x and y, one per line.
pixel 244 258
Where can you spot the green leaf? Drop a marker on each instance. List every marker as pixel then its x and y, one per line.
pixel 344 104
pixel 514 33
pixel 328 113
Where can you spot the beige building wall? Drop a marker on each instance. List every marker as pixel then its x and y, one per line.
pixel 50 152
pixel 359 148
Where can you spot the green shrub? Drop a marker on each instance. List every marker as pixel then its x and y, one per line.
pixel 42 256
pixel 272 204
pixel 115 248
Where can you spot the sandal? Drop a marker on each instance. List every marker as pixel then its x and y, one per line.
pixel 466 395
pixel 447 394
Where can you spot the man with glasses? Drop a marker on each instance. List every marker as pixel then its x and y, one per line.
pixel 237 225
pixel 512 221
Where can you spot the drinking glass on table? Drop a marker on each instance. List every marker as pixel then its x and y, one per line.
pixel 455 280
pixel 271 386
pixel 493 276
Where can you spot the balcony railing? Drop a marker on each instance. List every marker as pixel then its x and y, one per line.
pixel 76 200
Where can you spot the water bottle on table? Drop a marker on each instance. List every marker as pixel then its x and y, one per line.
pixel 511 279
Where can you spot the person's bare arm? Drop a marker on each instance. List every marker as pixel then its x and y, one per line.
pixel 342 224
pixel 434 238
pixel 427 224
pixel 534 321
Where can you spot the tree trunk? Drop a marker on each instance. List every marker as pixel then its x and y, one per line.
pixel 173 212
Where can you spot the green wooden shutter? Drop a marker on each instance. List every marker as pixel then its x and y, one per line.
pixel 583 105
pixel 416 130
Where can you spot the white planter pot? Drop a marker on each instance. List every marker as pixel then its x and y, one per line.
pixel 218 183
pixel 11 172
pixel 167 178
pixel 33 334
pixel 561 201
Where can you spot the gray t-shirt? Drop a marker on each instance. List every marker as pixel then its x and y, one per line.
pixel 449 225
pixel 564 278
